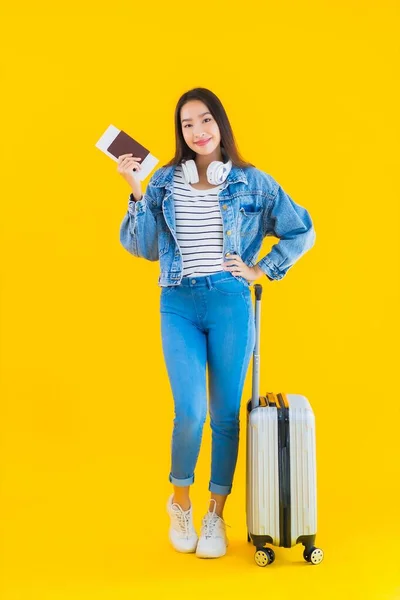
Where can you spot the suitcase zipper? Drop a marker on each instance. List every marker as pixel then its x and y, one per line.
pixel 284 471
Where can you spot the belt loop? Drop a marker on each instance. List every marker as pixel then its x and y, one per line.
pixel 208 280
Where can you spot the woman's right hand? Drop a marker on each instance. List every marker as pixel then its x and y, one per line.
pixel 126 164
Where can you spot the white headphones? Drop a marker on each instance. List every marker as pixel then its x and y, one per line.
pixel 217 171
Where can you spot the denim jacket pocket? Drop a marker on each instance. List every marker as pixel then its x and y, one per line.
pixel 250 211
pixel 250 221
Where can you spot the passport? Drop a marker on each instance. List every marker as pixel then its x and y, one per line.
pixel 115 142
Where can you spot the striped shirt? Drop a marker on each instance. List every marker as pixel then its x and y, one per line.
pixel 198 227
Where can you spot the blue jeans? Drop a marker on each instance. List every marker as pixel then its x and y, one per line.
pixel 207 320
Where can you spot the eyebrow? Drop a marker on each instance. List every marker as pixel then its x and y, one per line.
pixel 201 115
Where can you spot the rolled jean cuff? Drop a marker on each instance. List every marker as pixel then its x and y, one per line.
pixel 223 490
pixel 181 482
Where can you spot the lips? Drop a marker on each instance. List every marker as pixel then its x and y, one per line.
pixel 203 142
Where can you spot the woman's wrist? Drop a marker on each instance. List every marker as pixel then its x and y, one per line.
pixel 258 271
pixel 136 197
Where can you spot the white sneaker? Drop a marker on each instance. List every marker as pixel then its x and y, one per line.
pixel 213 541
pixel 182 534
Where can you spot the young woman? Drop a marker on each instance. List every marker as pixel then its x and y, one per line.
pixel 204 216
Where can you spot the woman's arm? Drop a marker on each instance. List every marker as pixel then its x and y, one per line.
pixel 292 224
pixel 138 230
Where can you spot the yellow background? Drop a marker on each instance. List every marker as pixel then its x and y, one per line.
pixel 311 89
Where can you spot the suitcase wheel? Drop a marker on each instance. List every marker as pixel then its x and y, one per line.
pixel 313 555
pixel 264 556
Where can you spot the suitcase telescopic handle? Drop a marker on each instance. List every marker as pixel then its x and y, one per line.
pixel 256 354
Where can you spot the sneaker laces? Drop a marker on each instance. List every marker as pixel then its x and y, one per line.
pixel 183 517
pixel 210 520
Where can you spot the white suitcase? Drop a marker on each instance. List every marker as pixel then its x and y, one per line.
pixel 281 498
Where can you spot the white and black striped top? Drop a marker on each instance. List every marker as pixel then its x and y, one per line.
pixel 198 227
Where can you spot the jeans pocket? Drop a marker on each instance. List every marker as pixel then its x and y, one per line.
pixel 166 290
pixel 230 286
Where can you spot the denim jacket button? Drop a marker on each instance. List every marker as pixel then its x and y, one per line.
pixel 228 232
pixel 224 206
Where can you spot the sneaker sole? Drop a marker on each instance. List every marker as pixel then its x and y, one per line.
pixel 183 551
pixel 204 554
pixel 199 555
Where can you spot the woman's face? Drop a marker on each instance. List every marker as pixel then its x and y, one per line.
pixel 198 126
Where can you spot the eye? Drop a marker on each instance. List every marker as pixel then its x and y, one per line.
pixel 206 119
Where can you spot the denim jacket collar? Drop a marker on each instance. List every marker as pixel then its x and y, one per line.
pixel 164 177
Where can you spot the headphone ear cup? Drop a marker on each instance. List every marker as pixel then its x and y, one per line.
pixel 189 171
pixel 218 171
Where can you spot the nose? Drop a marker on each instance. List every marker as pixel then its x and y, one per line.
pixel 199 137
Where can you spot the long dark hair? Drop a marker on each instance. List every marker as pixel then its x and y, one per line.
pixel 214 105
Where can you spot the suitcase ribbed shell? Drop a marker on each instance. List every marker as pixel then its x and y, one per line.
pixel 262 465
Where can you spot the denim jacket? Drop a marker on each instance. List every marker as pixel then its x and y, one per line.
pixel 252 204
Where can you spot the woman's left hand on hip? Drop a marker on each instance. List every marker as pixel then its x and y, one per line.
pixel 237 267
